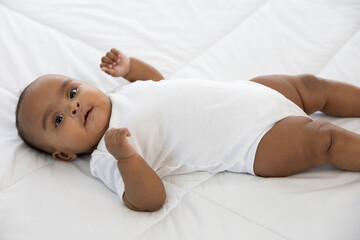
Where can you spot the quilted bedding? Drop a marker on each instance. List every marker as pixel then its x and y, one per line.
pixel 219 40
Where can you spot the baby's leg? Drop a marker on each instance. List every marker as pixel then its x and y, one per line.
pixel 316 94
pixel 296 144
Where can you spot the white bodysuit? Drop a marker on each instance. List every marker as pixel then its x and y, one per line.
pixel 182 126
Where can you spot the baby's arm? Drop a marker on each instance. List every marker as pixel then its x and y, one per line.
pixel 144 190
pixel 117 64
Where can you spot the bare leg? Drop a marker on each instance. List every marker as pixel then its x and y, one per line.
pixel 296 144
pixel 316 94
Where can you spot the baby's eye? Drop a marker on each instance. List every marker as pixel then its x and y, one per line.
pixel 73 93
pixel 58 120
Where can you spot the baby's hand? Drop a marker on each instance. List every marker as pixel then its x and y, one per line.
pixel 117 144
pixel 115 63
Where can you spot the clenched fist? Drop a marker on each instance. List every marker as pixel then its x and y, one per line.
pixel 117 144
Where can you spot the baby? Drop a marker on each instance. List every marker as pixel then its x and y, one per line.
pixel 146 130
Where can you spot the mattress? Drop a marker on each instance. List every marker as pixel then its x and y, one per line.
pixel 211 39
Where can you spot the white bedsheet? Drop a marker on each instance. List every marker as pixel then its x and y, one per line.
pixel 218 40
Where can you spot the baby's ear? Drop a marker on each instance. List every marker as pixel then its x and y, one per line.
pixel 67 157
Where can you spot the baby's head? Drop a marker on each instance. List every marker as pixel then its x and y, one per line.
pixel 62 116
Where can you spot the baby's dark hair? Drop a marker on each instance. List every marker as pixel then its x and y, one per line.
pixel 31 141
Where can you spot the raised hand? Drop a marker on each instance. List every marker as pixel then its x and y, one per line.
pixel 115 63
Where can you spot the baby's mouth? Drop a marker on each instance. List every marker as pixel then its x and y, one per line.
pixel 87 115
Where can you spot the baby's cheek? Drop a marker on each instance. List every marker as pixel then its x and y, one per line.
pixel 72 139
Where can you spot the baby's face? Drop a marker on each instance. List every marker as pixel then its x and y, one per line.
pixel 71 116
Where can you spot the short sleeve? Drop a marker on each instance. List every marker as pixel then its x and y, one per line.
pixel 104 166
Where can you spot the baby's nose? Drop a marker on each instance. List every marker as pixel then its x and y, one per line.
pixel 75 107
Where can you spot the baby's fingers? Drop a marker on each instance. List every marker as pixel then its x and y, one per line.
pixel 116 52
pixel 106 59
pixel 112 56
pixel 121 132
pixel 109 71
pixel 106 65
pixel 116 135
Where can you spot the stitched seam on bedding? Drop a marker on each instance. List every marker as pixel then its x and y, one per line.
pixel 240 215
pixel 211 202
pixel 27 175
pixel 167 214
pixel 220 39
pixel 338 50
pixel 175 71
pixel 49 26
